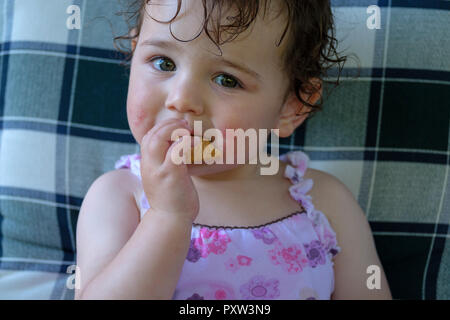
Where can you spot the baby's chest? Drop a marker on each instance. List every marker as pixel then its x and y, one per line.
pixel 252 264
pixel 246 209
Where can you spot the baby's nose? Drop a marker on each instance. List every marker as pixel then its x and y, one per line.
pixel 185 97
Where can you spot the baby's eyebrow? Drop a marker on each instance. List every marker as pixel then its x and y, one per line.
pixel 217 59
pixel 159 43
pixel 239 67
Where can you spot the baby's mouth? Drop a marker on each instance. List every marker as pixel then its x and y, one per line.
pixel 202 138
pixel 200 148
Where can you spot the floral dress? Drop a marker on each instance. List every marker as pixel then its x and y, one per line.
pixel 290 258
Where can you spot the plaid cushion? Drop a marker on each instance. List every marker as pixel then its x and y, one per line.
pixel 384 134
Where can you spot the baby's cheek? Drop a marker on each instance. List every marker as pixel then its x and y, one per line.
pixel 136 116
pixel 137 120
pixel 234 123
pixel 253 119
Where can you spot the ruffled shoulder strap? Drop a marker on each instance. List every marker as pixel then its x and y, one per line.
pixel 297 164
pixel 131 161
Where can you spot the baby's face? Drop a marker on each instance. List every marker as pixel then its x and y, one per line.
pixel 243 88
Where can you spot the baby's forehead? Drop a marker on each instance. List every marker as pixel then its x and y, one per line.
pixel 261 38
pixel 167 9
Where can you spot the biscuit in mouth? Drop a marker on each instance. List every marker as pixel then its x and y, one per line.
pixel 208 146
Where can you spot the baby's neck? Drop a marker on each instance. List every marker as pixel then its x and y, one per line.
pixel 241 176
pixel 249 200
pixel 242 172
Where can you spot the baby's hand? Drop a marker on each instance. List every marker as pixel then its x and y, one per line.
pixel 168 186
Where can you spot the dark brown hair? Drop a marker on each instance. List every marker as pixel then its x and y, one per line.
pixel 310 52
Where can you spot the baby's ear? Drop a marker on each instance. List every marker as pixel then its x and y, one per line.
pixel 134 39
pixel 294 112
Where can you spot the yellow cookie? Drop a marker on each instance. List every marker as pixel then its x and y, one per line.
pixel 211 152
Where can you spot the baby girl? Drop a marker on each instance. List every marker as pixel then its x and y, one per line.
pixel 155 229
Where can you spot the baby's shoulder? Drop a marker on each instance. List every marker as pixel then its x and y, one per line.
pixel 323 179
pixel 120 181
pixel 108 209
pixel 127 179
pixel 330 196
pixel 113 189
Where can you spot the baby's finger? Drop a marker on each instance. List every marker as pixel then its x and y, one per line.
pixel 160 125
pixel 156 145
pixel 179 152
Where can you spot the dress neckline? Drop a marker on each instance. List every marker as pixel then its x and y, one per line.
pixel 199 225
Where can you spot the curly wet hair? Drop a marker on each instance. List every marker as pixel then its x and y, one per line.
pixel 310 52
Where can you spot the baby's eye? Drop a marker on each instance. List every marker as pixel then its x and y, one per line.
pixel 227 81
pixel 163 64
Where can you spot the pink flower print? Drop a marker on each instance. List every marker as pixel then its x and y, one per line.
pixel 232 265
pixel 244 260
pixel 334 251
pixel 267 236
pixel 315 253
pixel 205 288
pixel 196 296
pixel 193 254
pixel 260 288
pixel 307 293
pixel 214 241
pixel 330 240
pixel 291 258
pixel 326 235
pixel 220 294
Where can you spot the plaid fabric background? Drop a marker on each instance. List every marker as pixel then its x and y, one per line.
pixel 63 123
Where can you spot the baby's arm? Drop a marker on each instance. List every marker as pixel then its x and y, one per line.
pixel 120 258
pixel 354 236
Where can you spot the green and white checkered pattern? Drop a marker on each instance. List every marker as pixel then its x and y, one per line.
pixel 384 134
